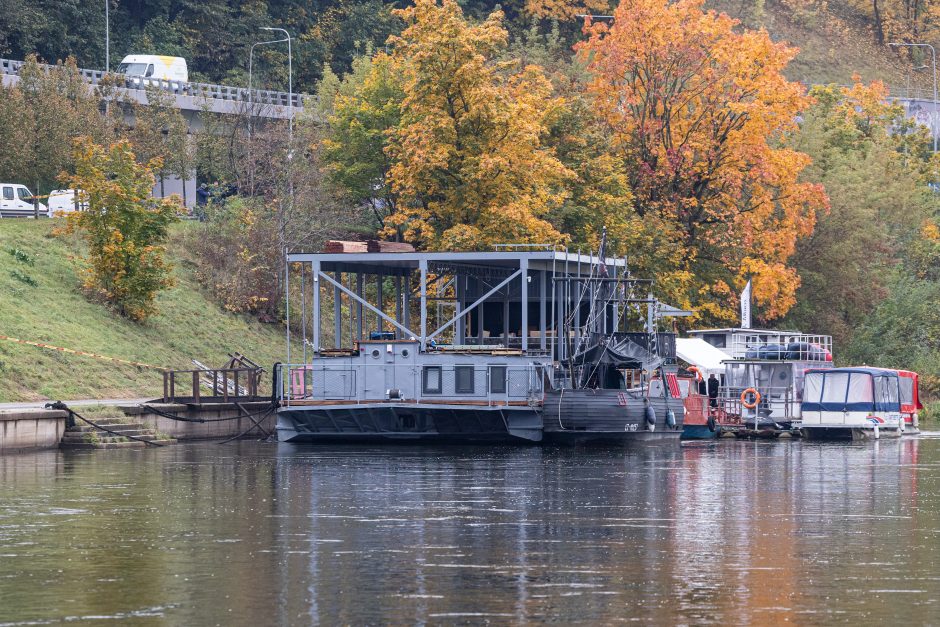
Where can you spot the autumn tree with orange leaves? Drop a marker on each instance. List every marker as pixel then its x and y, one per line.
pixel 699 111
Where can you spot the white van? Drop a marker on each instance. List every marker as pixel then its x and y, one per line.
pixel 66 201
pixel 140 67
pixel 16 201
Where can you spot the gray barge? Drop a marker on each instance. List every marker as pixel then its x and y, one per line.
pixel 521 346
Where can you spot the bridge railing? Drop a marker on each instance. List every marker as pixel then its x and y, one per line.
pixel 203 90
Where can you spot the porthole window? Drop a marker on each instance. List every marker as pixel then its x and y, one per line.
pixel 375 353
pixel 404 352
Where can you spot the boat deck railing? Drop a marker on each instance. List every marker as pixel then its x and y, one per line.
pixel 781 347
pixel 484 385
pixel 776 403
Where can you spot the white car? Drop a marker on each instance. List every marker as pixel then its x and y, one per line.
pixel 150 69
pixel 66 201
pixel 16 201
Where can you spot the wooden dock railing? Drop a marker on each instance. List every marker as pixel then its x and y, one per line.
pixel 221 385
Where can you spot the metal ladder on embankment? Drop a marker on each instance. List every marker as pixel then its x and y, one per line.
pixel 112 433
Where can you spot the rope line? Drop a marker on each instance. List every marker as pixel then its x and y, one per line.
pixel 72 412
pixel 70 351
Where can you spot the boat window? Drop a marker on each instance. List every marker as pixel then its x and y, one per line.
pixel 887 388
pixel 715 339
pixel 812 388
pixel 860 388
pixel 463 379
pixel 837 384
pixel 497 379
pixel 907 390
pixel 684 387
pixel 431 380
pixel 656 389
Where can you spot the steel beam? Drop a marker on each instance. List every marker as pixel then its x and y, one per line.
pixel 477 302
pixel 364 304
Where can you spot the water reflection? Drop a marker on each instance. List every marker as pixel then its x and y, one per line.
pixel 247 533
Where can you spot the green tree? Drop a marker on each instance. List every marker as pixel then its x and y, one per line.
pixel 125 229
pixel 361 111
pixel 46 110
pixel 873 163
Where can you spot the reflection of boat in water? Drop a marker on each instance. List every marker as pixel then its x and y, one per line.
pixel 853 403
pixel 505 346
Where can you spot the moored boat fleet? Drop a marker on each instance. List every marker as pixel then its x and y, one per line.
pixel 545 345
pixel 771 382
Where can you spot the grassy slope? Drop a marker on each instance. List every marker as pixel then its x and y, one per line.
pixel 190 325
pixel 834 44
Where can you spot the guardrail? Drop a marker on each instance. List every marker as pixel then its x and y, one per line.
pixel 259 97
pixel 226 385
pixel 777 403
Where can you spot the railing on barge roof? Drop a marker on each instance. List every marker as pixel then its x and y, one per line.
pixel 781 346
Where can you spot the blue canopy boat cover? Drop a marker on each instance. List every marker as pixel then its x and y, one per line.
pixel 860 389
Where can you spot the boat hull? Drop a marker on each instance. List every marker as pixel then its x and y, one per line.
pixel 408 423
pixel 698 432
pixel 849 433
pixel 608 417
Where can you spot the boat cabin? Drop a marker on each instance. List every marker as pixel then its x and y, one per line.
pixel 851 399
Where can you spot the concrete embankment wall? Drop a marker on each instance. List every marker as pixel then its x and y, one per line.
pixel 31 429
pixel 213 412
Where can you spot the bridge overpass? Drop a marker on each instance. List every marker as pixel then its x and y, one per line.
pixel 191 98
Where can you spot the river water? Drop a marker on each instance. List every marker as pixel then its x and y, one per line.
pixel 248 533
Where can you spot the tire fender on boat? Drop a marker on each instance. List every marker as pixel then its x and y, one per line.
pixel 650 415
pixel 712 424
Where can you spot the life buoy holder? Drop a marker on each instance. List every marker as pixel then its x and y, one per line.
pixel 744 396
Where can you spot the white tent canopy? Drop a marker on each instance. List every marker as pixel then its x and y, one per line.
pixel 697 352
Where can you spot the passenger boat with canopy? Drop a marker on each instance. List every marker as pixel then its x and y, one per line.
pixel 853 403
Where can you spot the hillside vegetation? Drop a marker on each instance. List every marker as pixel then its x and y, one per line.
pixel 835 42
pixel 41 300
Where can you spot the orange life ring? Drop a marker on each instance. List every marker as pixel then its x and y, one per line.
pixel 698 373
pixel 756 398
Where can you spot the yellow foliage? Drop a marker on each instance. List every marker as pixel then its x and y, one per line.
pixel 565 9
pixel 468 162
pixel 124 227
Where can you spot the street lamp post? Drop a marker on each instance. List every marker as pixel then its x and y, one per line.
pixel 290 86
pixel 251 53
pixel 933 57
pixel 107 38
pixel 282 227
